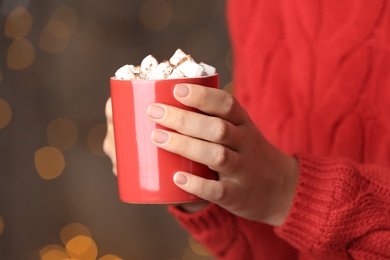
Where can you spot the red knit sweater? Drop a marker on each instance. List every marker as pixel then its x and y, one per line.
pixel 315 77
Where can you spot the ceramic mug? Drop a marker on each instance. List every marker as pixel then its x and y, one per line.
pixel 145 172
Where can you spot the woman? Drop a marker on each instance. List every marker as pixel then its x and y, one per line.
pixel 303 149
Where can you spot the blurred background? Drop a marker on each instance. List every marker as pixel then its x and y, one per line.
pixel 58 196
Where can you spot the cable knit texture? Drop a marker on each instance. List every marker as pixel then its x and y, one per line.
pixel 315 78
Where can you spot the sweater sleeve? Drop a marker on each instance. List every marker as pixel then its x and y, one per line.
pixel 229 237
pixel 340 208
pixel 217 230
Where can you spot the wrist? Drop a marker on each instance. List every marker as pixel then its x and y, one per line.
pixel 288 188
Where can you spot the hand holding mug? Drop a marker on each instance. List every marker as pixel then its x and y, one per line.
pixel 256 181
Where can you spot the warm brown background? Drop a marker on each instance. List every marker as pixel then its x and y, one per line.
pixel 56 58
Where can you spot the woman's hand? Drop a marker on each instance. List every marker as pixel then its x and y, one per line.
pixel 256 180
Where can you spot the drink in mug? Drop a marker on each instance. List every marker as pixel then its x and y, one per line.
pixel 145 172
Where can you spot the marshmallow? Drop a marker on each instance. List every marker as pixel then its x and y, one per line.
pixel 176 74
pixel 137 72
pixel 148 64
pixel 125 72
pixel 208 70
pixel 177 57
pixel 190 68
pixel 180 65
pixel 136 69
pixel 162 71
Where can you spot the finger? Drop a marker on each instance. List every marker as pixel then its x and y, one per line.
pixel 218 157
pixel 109 143
pixel 212 129
pixel 211 101
pixel 108 111
pixel 210 190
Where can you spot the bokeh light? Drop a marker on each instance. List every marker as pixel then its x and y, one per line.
pixel 49 162
pixel 72 230
pixel 55 37
pixel 1 225
pixel 184 12
pixel 55 53
pixel 68 16
pixel 5 113
pixel 189 254
pixel 197 247
pixel 110 257
pixel 95 139
pixel 155 15
pixel 62 133
pixel 18 23
pixel 203 43
pixel 53 252
pixel 82 247
pixel 21 54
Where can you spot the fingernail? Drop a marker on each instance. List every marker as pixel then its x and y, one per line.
pixel 155 111
pixel 159 136
pixel 181 90
pixel 180 179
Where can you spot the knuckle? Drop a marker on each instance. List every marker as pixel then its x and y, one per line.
pixel 225 159
pixel 221 130
pixel 229 103
pixel 225 194
pixel 220 194
pixel 222 157
pixel 201 188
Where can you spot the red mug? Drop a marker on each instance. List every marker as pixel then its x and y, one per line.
pixel 145 172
